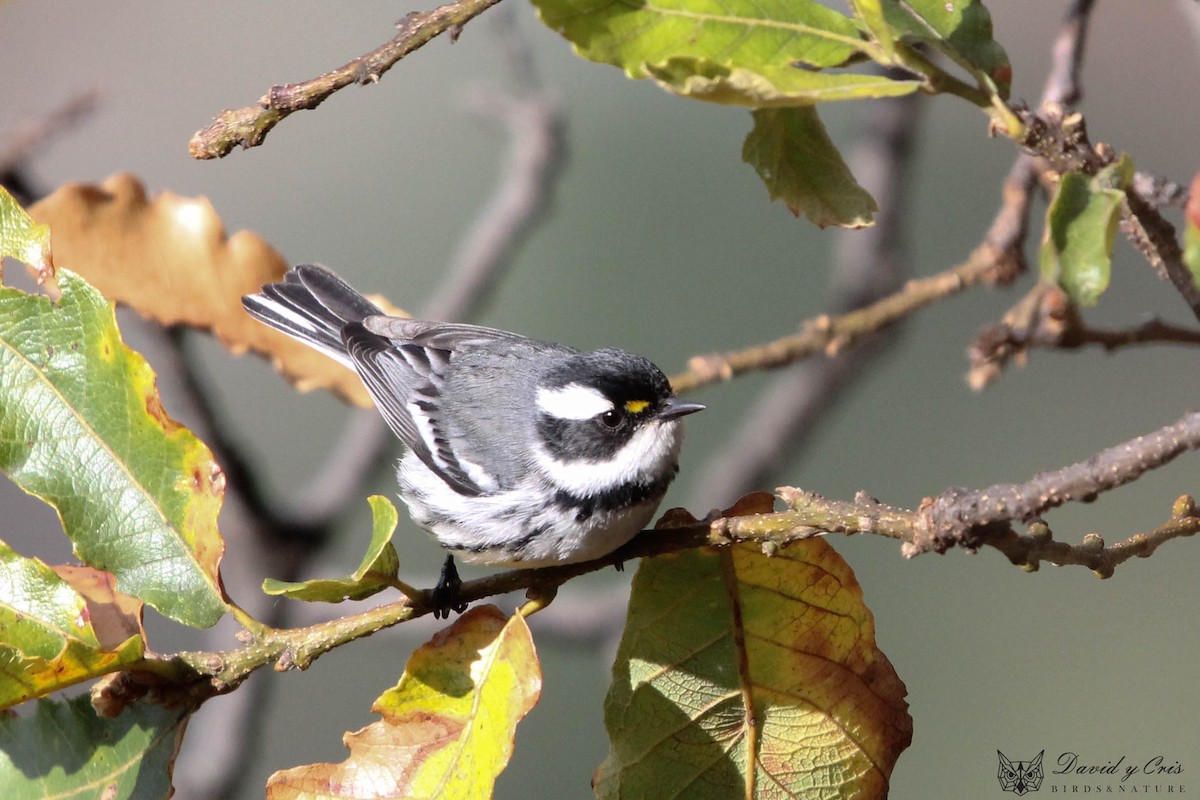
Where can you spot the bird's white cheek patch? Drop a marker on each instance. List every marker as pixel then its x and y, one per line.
pixel 573 401
pixel 644 457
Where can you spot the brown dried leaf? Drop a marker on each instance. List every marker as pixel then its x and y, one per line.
pixel 169 258
pixel 114 616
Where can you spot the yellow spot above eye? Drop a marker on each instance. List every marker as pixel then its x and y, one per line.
pixel 636 406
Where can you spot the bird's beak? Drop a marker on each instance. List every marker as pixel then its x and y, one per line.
pixel 675 408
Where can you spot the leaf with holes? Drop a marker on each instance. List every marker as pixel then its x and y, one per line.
pixel 376 572
pixel 743 675
pixel 447 727
pixel 82 427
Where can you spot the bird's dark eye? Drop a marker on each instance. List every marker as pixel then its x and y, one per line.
pixel 612 418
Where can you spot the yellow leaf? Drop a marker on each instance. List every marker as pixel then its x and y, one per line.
pixel 23 239
pixel 447 727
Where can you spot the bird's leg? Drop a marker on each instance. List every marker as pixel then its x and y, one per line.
pixel 445 594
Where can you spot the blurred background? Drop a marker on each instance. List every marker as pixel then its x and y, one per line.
pixel 660 240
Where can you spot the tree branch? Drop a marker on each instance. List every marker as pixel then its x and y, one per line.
pixel 966 518
pixel 959 516
pixel 249 126
pixel 829 335
pixel 1062 140
pixel 1045 317
pixel 537 144
pixel 18 145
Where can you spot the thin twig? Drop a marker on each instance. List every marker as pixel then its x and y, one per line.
pixel 17 146
pixel 536 151
pixel 1045 318
pixel 813 515
pixel 1151 233
pixel 1063 85
pixel 825 334
pixel 250 125
pixel 1159 192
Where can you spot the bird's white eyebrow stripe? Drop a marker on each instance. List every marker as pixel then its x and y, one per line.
pixel 573 401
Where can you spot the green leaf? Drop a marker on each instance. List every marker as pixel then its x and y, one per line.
pixel 376 572
pixel 961 29
pixel 1081 226
pixel 447 727
pixel 743 675
pixel 65 750
pixel 874 20
pixel 1191 250
pixel 750 35
pixel 53 635
pixel 82 427
pixel 21 237
pixel 1191 234
pixel 769 87
pixel 800 166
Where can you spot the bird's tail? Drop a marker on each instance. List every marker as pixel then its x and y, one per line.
pixel 312 304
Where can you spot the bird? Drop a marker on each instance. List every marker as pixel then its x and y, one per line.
pixel 518 452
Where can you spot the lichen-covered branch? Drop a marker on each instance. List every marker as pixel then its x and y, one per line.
pixel 248 126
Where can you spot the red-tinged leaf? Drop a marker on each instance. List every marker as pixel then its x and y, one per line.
pixel 1191 234
pixel 743 675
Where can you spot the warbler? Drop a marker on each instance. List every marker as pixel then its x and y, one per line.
pixel 520 453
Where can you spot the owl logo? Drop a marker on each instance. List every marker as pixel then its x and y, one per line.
pixel 1020 777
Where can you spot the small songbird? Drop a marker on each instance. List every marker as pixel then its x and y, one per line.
pixel 520 453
